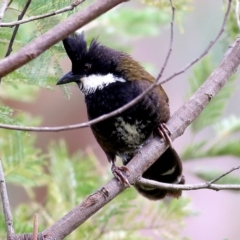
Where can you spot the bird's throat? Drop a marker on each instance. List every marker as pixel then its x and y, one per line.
pixel 95 82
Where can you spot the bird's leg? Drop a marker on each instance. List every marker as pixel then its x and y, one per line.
pixel 165 133
pixel 120 172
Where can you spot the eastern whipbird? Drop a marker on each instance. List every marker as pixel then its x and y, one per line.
pixel 109 79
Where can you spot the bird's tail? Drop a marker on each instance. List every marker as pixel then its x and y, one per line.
pixel 167 169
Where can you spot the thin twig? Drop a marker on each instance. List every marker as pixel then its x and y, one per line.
pixel 6 204
pixel 35 226
pixel 170 45
pixel 125 107
pixel 10 3
pixel 3 9
pixel 62 10
pixel 9 50
pixel 237 13
pixel 206 50
pixel 223 175
pixel 207 185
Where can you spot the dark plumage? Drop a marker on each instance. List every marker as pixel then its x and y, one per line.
pixel 109 79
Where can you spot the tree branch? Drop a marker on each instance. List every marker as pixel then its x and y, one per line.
pixel 9 50
pixel 151 151
pixel 6 204
pixel 54 35
pixel 62 10
pixel 170 45
pixel 207 185
pixel 35 227
pixel 134 101
pixel 224 174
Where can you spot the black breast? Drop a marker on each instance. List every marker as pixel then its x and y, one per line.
pixel 127 131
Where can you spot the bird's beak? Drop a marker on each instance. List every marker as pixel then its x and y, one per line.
pixel 68 78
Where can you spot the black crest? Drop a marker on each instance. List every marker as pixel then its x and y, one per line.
pixel 102 59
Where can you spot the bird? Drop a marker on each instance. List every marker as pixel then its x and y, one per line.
pixel 109 79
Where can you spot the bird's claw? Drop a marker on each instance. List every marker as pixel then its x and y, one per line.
pixel 165 133
pixel 119 173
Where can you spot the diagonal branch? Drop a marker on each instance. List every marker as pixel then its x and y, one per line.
pixel 151 151
pixel 133 102
pixel 54 35
pixel 6 204
pixel 30 19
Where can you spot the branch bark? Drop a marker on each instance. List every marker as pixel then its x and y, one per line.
pixel 54 35
pixel 6 204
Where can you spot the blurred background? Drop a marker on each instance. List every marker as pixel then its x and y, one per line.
pixel 146 35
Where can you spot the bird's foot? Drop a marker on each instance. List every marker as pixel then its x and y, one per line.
pixel 181 180
pixel 120 174
pixel 165 133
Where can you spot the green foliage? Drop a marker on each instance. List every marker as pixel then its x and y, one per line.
pixel 5 114
pixel 194 150
pixel 224 139
pixel 231 29
pixel 42 71
pixel 21 159
pixel 12 91
pixel 144 22
pixel 215 108
pixel 70 179
pixel 180 5
pixel 211 117
pixel 227 126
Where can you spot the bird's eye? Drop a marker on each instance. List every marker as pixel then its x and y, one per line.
pixel 87 66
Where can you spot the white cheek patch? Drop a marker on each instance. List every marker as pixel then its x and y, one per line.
pixel 93 82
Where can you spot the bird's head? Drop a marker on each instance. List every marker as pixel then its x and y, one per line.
pixel 94 67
